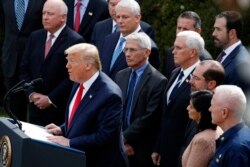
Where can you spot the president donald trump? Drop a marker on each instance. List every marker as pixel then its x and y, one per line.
pixel 93 114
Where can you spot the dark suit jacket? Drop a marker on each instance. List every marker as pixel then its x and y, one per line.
pixel 104 28
pixel 146 111
pixel 96 125
pixel 52 70
pixel 168 61
pixel 108 48
pixel 237 62
pixel 15 40
pixel 97 10
pixel 174 122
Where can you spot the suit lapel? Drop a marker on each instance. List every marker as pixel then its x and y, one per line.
pixel 124 83
pixel 11 9
pixel 88 97
pixel 231 56
pixel 70 20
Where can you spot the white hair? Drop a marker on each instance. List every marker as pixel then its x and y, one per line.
pixel 193 40
pixel 142 38
pixel 130 4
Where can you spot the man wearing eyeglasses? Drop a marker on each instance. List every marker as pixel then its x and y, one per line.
pixel 143 87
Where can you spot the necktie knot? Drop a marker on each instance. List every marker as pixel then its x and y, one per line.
pixel 220 57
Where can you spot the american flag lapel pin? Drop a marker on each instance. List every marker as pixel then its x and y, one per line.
pixel 90 13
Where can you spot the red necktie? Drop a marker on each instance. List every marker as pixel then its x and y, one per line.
pixel 77 16
pixel 76 103
pixel 48 45
pixel 220 57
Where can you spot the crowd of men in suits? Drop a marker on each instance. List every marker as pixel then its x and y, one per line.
pixel 102 85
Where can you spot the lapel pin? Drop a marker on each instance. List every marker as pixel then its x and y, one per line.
pixel 90 13
pixel 90 96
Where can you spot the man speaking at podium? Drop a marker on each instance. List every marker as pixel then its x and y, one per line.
pixel 93 114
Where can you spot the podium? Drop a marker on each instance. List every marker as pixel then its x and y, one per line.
pixel 30 152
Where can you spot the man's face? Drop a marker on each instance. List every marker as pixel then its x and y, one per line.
pixel 76 67
pixel 135 55
pixel 127 22
pixel 181 52
pixel 220 33
pixel 52 17
pixel 197 81
pixel 111 5
pixel 216 109
pixel 184 24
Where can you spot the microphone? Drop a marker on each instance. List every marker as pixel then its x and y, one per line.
pixel 17 88
pixel 34 83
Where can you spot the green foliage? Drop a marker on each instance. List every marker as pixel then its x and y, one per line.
pixel 162 15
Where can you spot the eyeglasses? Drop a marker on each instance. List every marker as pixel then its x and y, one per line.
pixel 132 50
pixel 194 77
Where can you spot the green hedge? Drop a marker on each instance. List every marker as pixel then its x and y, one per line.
pixel 162 15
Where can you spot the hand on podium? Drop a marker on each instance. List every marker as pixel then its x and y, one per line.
pixel 58 138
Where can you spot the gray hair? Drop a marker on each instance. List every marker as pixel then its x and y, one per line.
pixel 142 38
pixel 193 40
pixel 233 98
pixel 130 4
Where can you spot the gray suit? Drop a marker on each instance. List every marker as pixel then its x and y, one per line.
pixel 146 113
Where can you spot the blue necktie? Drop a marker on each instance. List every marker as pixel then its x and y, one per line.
pixel 129 102
pixel 117 51
pixel 177 85
pixel 20 12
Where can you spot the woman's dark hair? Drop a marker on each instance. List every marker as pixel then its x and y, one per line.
pixel 201 101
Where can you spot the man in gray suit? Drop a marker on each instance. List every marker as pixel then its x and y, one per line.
pixel 142 86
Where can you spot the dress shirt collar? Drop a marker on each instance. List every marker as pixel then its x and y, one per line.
pixel 227 134
pixel 87 84
pixel 84 3
pixel 230 49
pixel 140 70
pixel 189 70
pixel 56 34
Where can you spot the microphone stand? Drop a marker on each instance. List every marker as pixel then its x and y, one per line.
pixel 6 103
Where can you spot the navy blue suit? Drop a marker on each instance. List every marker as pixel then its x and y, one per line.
pixel 174 122
pixel 52 70
pixel 96 125
pixel 104 28
pixel 96 10
pixel 108 48
pixel 237 60
pixel 233 148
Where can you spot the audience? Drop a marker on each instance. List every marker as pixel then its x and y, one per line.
pixel 44 58
pixel 227 109
pixel 202 147
pixel 93 114
pixel 143 87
